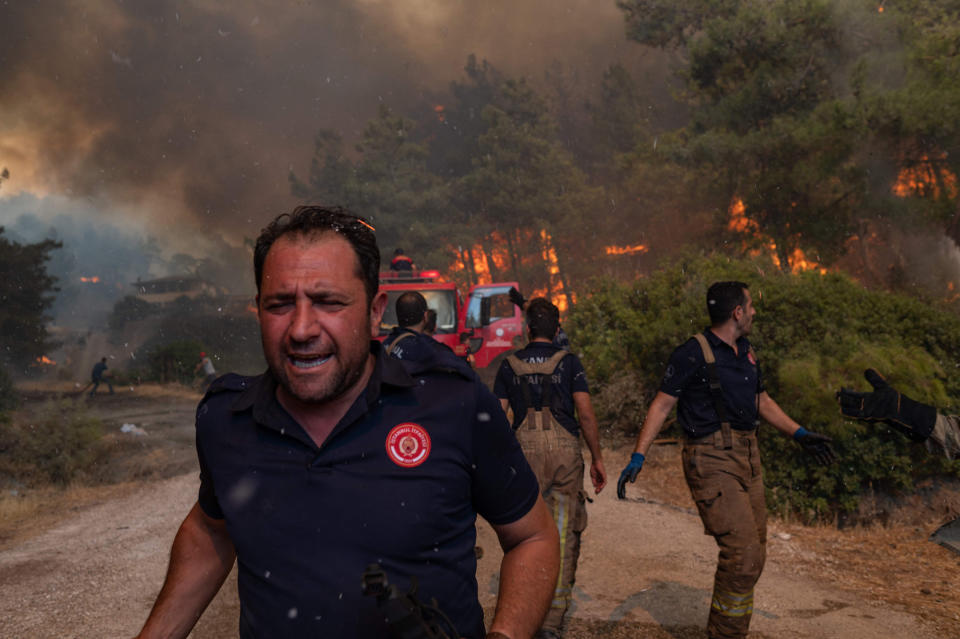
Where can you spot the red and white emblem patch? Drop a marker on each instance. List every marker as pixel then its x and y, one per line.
pixel 753 360
pixel 408 445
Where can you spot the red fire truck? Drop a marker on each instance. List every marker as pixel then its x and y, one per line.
pixel 485 325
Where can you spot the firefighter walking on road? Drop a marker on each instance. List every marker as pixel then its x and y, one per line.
pixel 546 389
pixel 715 382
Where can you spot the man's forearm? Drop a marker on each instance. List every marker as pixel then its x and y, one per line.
pixel 528 576
pixel 771 413
pixel 200 560
pixel 588 424
pixel 657 414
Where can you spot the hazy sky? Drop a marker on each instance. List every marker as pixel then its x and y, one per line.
pixel 190 115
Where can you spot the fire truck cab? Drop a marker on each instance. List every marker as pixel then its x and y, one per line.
pixel 443 297
pixel 484 327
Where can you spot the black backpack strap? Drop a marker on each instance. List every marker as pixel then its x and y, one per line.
pixel 716 392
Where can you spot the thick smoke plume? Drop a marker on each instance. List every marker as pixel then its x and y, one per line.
pixel 192 113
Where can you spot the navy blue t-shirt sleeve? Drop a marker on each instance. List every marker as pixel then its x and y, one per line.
pixel 504 486
pixel 578 375
pixel 501 384
pixel 685 361
pixel 207 496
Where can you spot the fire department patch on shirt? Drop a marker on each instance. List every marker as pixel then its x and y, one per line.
pixel 753 360
pixel 408 445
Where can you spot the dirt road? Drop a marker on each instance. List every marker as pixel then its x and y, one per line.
pixel 646 571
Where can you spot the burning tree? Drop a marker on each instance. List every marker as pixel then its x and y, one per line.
pixel 769 125
pixel 26 294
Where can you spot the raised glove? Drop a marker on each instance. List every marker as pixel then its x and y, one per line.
pixel 888 405
pixel 629 474
pixel 816 445
pixel 516 297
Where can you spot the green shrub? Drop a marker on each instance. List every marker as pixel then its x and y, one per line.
pixel 8 394
pixel 52 446
pixel 813 334
pixel 173 362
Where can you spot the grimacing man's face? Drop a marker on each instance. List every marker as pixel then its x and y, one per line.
pixel 315 322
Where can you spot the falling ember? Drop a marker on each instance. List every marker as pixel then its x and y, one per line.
pixel 43 359
pixel 90 280
pixel 626 250
pixel 924 179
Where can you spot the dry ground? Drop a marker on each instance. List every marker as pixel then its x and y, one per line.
pixel 88 561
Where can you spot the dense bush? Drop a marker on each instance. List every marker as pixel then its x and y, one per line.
pixel 173 362
pixel 52 446
pixel 813 334
pixel 8 394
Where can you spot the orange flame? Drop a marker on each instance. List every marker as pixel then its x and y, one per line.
pixel 626 250
pixel 553 268
pixel 439 110
pixel 740 223
pixel 90 280
pixel 251 308
pixel 924 178
pixel 43 359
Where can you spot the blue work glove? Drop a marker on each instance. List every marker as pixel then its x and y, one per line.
pixel 629 474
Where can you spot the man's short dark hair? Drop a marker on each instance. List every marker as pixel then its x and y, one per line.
pixel 543 318
pixel 317 220
pixel 410 309
pixel 723 298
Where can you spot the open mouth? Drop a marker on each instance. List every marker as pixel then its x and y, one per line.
pixel 305 362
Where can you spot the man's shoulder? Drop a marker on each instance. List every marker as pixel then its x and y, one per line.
pixel 224 390
pixel 688 352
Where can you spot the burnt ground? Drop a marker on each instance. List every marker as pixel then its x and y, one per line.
pixel 88 560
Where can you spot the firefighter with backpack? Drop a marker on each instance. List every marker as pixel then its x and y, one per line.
pixel 715 382
pixel 543 389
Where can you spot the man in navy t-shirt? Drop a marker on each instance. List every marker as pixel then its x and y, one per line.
pixel 545 389
pixel 339 459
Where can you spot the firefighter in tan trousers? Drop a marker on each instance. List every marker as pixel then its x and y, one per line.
pixel 545 388
pixel 714 380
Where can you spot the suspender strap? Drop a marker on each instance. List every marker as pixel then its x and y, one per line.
pixel 715 390
pixel 393 344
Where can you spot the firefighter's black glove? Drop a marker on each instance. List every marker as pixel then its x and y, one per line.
pixel 629 474
pixel 816 445
pixel 516 297
pixel 887 405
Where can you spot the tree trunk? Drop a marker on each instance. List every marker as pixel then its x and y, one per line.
pixel 513 257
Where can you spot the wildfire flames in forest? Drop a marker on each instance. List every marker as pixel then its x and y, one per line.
pixel 43 359
pixel 739 222
pixel 90 280
pixel 499 256
pixel 626 250
pixel 926 178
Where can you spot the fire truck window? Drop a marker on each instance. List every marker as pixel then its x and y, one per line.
pixel 500 306
pixel 442 301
